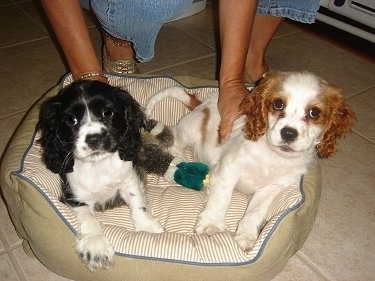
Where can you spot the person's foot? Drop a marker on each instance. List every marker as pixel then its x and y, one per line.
pixel 255 75
pixel 255 67
pixel 118 55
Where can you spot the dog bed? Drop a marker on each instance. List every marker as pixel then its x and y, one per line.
pixel 49 228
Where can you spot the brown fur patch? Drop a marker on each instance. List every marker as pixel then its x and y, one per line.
pixel 204 125
pixel 338 118
pixel 258 103
pixel 193 103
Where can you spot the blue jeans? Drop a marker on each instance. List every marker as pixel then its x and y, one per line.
pixel 299 10
pixel 137 21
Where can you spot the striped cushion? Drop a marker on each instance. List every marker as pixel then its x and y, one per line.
pixel 176 207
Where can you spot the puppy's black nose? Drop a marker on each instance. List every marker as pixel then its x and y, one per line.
pixel 288 134
pixel 93 141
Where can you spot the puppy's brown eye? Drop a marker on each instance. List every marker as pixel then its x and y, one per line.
pixel 278 104
pixel 107 113
pixel 314 113
pixel 70 120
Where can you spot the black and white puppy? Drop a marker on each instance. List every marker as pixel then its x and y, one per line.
pixel 91 137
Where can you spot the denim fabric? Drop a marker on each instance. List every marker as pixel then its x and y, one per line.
pixel 298 10
pixel 137 21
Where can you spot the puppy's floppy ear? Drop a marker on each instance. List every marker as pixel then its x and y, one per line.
pixel 55 153
pixel 134 120
pixel 255 106
pixel 340 120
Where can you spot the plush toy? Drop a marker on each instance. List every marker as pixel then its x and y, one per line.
pixel 156 159
pixel 191 174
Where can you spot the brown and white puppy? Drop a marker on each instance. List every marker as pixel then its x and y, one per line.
pixel 288 120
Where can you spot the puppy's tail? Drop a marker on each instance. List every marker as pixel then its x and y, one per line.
pixel 189 100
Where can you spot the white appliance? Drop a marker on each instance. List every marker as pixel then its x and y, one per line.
pixel 354 16
pixel 195 7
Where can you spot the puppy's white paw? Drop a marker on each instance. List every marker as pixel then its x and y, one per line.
pixel 151 225
pixel 245 241
pixel 210 225
pixel 96 251
pixel 247 233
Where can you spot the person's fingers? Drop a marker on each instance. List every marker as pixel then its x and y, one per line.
pixel 229 102
pixel 225 129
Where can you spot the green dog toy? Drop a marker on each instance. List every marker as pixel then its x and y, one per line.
pixel 155 158
pixel 191 174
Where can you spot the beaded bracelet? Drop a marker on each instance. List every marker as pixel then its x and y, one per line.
pixel 116 41
pixel 86 75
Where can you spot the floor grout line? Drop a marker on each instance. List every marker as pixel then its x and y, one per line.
pixel 4 242
pixel 22 110
pixel 314 267
pixel 194 37
pixel 360 92
pixel 19 1
pixel 17 267
pixel 25 42
pixel 363 136
pixel 41 26
pixel 286 35
pixel 180 63
pixel 8 250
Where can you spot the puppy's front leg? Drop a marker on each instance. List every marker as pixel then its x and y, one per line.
pixel 220 189
pixel 250 225
pixel 133 195
pixel 93 247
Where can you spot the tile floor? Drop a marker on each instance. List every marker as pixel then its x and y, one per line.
pixel 341 245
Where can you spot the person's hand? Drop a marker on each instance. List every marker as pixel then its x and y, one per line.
pixel 230 98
